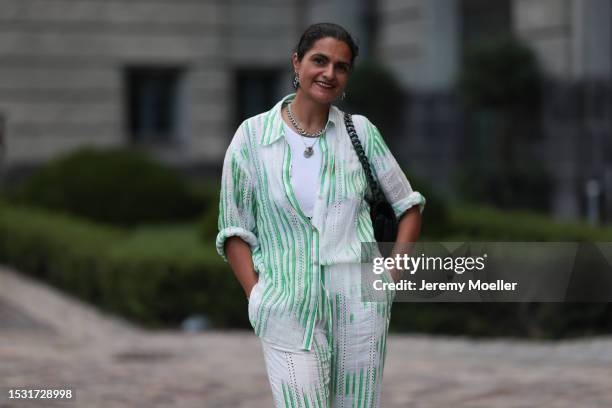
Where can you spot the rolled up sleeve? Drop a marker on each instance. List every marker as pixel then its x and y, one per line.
pixel 391 178
pixel 237 201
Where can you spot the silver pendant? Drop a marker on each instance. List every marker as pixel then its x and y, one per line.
pixel 308 152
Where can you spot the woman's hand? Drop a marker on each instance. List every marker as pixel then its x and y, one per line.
pixel 251 289
pixel 239 256
pixel 408 232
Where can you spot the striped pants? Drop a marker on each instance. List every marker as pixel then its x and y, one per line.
pixel 345 366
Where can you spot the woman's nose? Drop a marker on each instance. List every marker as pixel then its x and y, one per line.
pixel 329 71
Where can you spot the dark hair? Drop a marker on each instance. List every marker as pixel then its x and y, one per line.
pixel 323 30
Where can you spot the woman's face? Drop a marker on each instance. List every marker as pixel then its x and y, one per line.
pixel 324 70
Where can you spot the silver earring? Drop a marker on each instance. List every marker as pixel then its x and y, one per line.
pixel 343 96
pixel 296 81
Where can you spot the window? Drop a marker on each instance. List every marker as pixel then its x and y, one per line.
pixel 257 91
pixel 152 100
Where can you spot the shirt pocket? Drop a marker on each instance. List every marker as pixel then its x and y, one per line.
pixel 354 181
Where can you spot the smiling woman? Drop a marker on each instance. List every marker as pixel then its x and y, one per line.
pixel 324 70
pixel 293 216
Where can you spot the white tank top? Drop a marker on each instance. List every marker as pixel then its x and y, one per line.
pixel 304 171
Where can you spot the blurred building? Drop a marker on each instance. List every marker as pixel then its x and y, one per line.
pixel 166 76
pixel 175 77
pixel 423 42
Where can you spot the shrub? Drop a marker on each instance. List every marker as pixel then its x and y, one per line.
pixel 63 250
pixel 520 320
pixel 160 275
pixel 154 275
pixel 436 217
pixel 208 222
pixel 534 320
pixel 114 186
pixel 501 83
pixel 490 224
pixel 500 73
pixel 374 91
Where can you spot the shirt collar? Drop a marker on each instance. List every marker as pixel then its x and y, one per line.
pixel 274 125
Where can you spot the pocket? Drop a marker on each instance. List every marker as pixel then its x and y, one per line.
pixel 355 182
pixel 253 303
pixel 390 292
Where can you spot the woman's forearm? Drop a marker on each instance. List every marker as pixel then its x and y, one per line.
pixel 409 226
pixel 408 232
pixel 239 257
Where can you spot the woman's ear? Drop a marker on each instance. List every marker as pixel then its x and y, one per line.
pixel 295 61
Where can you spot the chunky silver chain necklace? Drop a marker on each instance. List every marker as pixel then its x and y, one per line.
pixel 308 152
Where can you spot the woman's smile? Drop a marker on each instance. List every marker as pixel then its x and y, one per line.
pixel 325 85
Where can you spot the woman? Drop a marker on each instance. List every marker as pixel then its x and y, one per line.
pixel 292 219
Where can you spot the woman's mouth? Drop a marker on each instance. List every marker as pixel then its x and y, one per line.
pixel 324 85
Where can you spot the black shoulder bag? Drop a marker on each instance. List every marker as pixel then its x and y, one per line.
pixel 383 217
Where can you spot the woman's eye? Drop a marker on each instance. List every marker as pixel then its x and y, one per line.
pixel 318 61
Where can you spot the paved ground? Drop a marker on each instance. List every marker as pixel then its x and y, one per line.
pixel 50 340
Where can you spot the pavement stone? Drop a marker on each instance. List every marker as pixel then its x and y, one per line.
pixel 48 339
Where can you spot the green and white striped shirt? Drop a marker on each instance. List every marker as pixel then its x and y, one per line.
pixel 289 250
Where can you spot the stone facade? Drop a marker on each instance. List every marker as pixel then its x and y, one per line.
pixel 421 40
pixel 62 68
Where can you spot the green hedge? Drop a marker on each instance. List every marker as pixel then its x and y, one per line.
pixel 536 320
pixel 155 275
pixel 520 320
pixel 62 250
pixel 208 222
pixel 479 223
pixel 436 223
pixel 159 274
pixel 115 186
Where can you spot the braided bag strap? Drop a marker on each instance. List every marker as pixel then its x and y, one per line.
pixel 363 159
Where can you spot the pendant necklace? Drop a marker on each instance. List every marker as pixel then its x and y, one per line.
pixel 309 151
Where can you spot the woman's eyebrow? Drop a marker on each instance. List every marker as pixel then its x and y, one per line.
pixel 327 58
pixel 320 55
